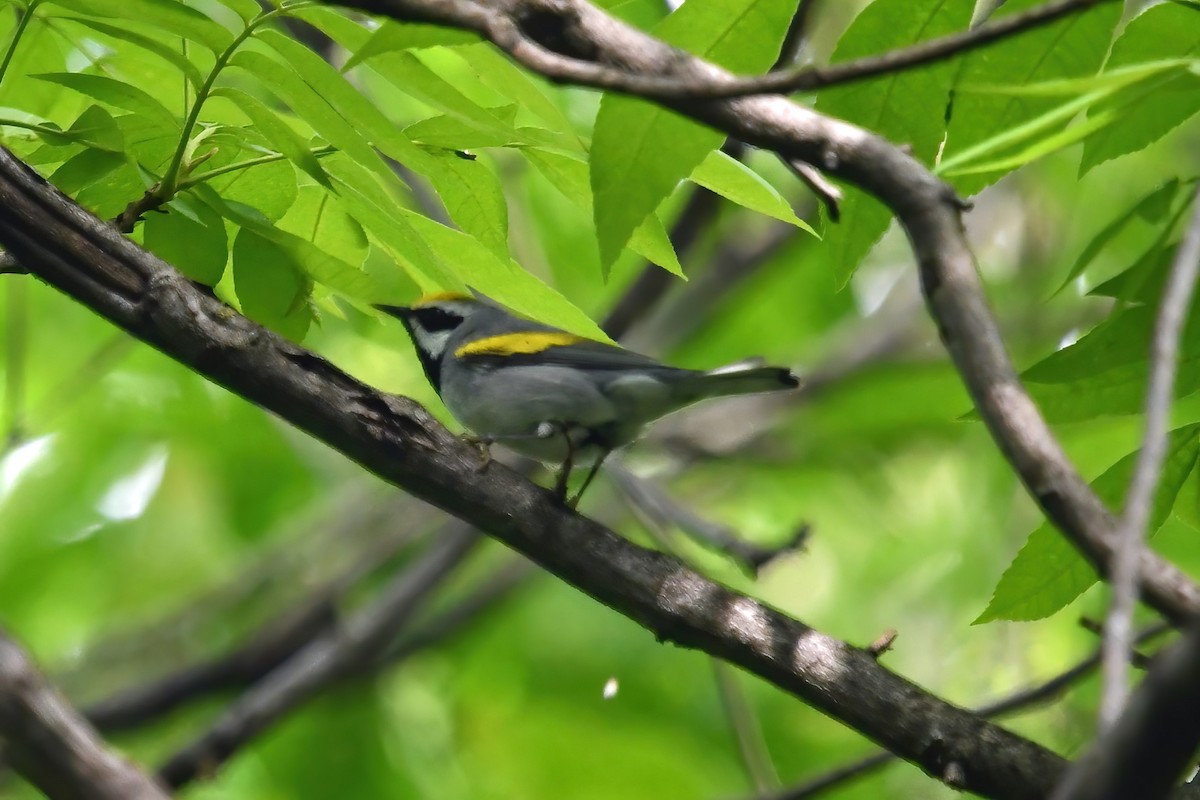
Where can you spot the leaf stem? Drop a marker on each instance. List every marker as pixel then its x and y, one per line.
pixel 191 181
pixel 171 182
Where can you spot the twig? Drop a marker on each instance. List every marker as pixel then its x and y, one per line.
pixel 52 746
pixel 649 499
pixel 1020 700
pixel 323 661
pixel 824 189
pixel 1144 753
pixel 1139 499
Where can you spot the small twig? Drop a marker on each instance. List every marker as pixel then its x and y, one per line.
pixel 1139 499
pixel 882 644
pixel 52 746
pixel 825 190
pixel 649 499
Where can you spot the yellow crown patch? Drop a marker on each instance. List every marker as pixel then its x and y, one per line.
pixel 438 297
pixel 511 344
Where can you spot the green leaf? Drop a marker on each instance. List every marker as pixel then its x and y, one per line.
pixel 1159 32
pixel 1105 372
pixel 905 106
pixel 270 286
pixel 317 216
pixel 193 241
pixel 641 151
pixel 412 76
pixel 270 188
pixel 1048 573
pixel 474 199
pixel 168 52
pixel 1144 281
pixel 85 169
pixel 324 85
pixel 730 178
pixel 167 15
pixel 385 220
pixel 393 35
pixel 1071 47
pixel 455 133
pixel 502 279
pixel 303 255
pixel 277 132
pixel 114 93
pixel 498 72
pixel 569 175
pixel 310 106
pixel 1152 205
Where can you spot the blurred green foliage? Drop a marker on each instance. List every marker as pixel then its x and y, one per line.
pixel 148 518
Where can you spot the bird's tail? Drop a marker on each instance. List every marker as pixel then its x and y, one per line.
pixel 745 377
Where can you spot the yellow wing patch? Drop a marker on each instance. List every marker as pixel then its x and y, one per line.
pixel 438 297
pixel 511 344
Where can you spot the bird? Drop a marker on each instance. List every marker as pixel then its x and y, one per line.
pixel 552 395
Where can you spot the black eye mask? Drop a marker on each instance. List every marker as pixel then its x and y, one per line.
pixel 435 319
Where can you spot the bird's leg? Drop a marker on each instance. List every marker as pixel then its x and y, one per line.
pixel 548 429
pixel 574 501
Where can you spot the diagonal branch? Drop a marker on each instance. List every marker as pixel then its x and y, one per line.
pixel 398 440
pixel 1139 500
pixel 52 746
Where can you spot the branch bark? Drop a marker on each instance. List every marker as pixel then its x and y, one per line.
pixel 52 746
pixel 398 440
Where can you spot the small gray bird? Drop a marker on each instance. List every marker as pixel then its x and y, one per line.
pixel 549 394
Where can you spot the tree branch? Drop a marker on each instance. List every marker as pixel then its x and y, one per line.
pixel 52 746
pixel 1139 499
pixel 398 440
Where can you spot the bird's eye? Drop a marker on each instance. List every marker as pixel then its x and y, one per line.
pixel 435 319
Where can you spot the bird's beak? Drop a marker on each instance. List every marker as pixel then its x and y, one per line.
pixel 400 312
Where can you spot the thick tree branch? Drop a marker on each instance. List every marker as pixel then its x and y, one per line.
pixel 398 440
pixel 554 37
pixel 1139 500
pixel 52 746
